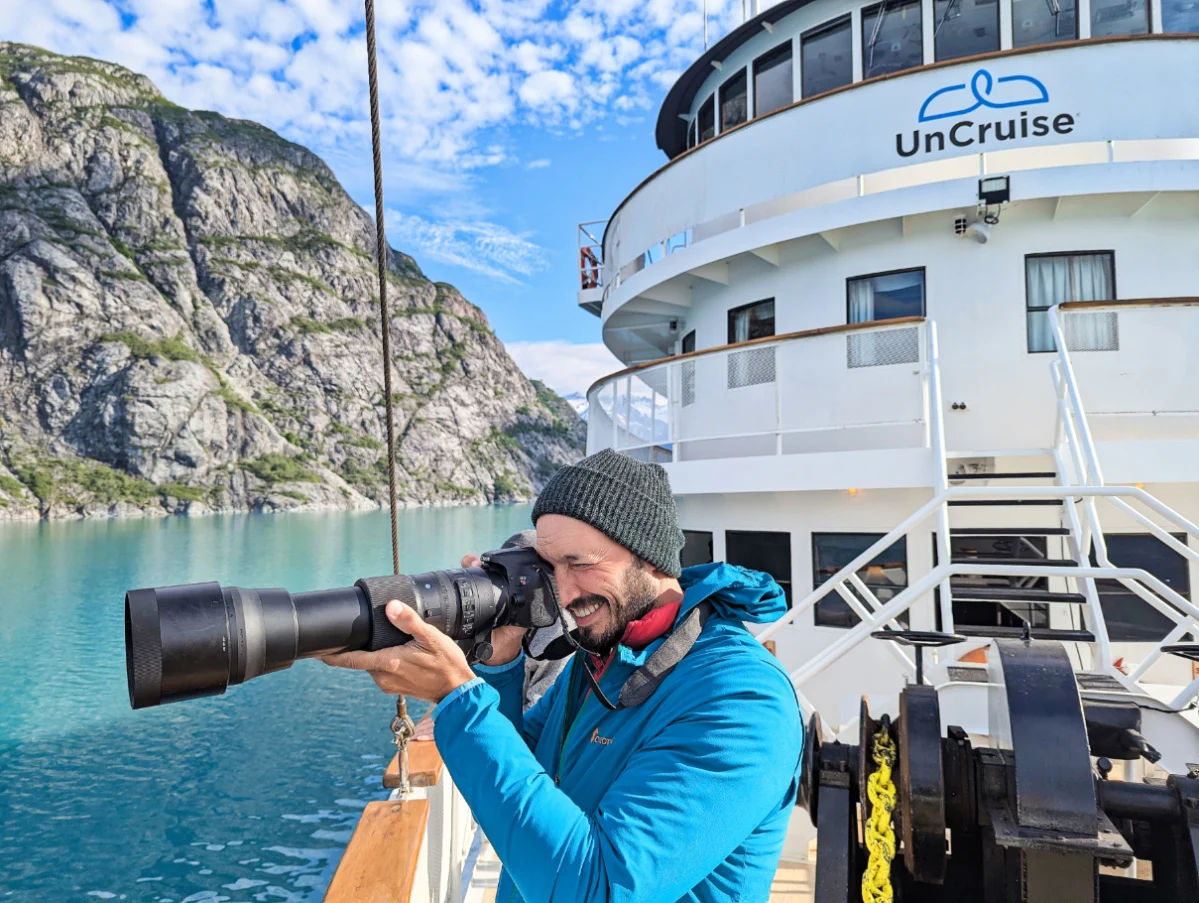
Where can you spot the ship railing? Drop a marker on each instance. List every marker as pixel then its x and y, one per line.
pixel 590 238
pixel 860 386
pixel 960 167
pixel 1080 489
pixel 1149 369
pixel 415 847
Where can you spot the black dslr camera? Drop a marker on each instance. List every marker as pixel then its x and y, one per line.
pixel 194 640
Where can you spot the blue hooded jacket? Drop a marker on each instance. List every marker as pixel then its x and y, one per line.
pixel 684 797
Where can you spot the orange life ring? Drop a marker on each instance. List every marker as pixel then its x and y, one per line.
pixel 588 268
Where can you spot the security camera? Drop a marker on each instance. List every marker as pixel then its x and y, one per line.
pixel 980 232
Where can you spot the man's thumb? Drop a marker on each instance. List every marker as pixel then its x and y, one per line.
pixel 406 619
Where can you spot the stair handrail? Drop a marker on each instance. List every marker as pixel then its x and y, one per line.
pixel 940 465
pixel 1074 428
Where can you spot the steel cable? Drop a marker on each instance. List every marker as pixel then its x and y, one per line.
pixel 381 255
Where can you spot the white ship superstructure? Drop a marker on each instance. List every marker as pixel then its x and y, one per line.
pixel 919 286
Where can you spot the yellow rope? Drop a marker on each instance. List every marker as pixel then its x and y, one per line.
pixel 880 835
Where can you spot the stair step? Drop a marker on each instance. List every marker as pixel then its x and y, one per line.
pixel 1009 531
pixel 1037 633
pixel 1013 594
pixel 1039 562
pixel 995 503
pixel 1034 475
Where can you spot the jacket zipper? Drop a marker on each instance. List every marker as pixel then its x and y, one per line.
pixel 569 719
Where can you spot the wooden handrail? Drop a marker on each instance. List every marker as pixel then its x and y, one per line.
pixel 1130 302
pixel 765 340
pixel 424 766
pixel 380 861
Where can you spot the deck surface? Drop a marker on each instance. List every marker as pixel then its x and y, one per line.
pixel 793 883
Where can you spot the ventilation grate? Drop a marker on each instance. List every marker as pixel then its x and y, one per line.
pixel 1097 331
pixel 883 347
pixel 751 367
pixel 688 387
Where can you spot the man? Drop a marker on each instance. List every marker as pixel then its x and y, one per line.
pixel 682 791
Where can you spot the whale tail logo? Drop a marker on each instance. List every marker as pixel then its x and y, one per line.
pixel 983 91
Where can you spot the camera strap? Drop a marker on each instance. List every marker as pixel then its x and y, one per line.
pixel 648 677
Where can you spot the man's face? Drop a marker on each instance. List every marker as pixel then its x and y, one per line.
pixel 601 583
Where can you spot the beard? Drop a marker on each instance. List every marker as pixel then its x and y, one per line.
pixel 638 593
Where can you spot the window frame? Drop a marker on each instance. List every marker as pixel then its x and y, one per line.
pixel 923 295
pixel 736 310
pixel 687 534
pixel 1073 37
pixel 721 126
pixel 816 31
pixel 998 36
pixel 876 7
pixel 787 584
pixel 1120 589
pixel 1028 310
pixel 1148 23
pixel 815 586
pixel 789 45
pixel 699 112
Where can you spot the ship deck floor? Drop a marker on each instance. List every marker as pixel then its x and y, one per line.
pixel 793 882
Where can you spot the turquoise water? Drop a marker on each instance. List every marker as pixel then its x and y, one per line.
pixel 247 796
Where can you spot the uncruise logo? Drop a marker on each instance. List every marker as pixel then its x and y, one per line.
pixel 984 92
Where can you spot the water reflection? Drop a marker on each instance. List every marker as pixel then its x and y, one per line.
pixel 250 796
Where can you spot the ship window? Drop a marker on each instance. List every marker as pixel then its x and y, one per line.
pixel 826 57
pixel 886 575
pixel 697 549
pixel 753 366
pixel 886 296
pixel 1053 278
pixel 688 372
pixel 1113 17
pixel 761 551
pixel 691 126
pixel 733 102
pixel 751 321
pixel 1043 22
pixel 1180 16
pixel 965 27
pixel 969 611
pixel 1128 617
pixel 892 39
pixel 707 119
pixel 772 80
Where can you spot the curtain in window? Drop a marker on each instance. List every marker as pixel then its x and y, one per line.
pixel 861 300
pixel 1078 277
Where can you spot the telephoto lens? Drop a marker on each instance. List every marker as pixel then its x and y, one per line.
pixel 194 640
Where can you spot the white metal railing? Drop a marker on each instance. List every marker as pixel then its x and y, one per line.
pixel 913 175
pixel 1080 488
pixel 760 398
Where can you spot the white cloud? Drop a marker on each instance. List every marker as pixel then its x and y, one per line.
pixel 452 72
pixel 566 367
pixel 540 163
pixel 474 244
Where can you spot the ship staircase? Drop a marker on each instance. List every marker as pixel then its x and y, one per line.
pixel 1065 482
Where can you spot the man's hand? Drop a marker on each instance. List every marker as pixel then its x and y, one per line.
pixel 505 641
pixel 430 666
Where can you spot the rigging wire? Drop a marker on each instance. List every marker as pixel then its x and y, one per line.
pixel 381 255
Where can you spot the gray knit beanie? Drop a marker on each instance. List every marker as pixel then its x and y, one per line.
pixel 626 500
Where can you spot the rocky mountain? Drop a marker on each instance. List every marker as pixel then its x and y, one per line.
pixel 189 322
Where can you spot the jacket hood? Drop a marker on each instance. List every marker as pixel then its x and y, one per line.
pixel 733 591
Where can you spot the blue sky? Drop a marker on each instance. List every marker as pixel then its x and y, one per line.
pixel 506 122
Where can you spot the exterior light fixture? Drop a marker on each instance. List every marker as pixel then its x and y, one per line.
pixel 994 190
pixel 852 491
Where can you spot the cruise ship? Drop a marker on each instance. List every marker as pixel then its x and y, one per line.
pixel 909 315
